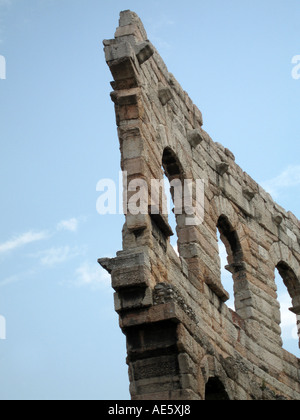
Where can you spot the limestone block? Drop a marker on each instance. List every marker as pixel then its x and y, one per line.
pixel 248 194
pixel 195 138
pixel 119 51
pixel 144 51
pixel 229 154
pixel 222 168
pixel 130 277
pixel 164 94
pixel 186 364
pixel 135 299
pixel 278 219
pixel 126 31
pixel 137 222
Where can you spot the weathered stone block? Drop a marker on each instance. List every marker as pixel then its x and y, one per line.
pixel 120 51
pixel 164 94
pixel 130 277
pixel 222 168
pixel 195 138
pixel 144 51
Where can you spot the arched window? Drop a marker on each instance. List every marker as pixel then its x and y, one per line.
pixel 230 245
pixel 173 181
pixel 171 165
pixel 226 276
pixel 289 299
pixel 215 391
pixel 171 213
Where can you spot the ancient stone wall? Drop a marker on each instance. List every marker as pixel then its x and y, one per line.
pixel 183 341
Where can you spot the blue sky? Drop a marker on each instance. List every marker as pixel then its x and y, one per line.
pixel 58 139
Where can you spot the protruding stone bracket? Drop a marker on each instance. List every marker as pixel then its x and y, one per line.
pixel 278 219
pixel 136 298
pixel 295 310
pixel 137 222
pixel 160 221
pixel 248 194
pixel 106 263
pixel 164 94
pixel 235 267
pixel 195 138
pixel 217 289
pixel 164 292
pixel 118 51
pixel 126 97
pixel 222 168
pixel 144 51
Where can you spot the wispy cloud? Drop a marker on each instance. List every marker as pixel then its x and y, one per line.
pixel 70 225
pixel 289 178
pixel 23 275
pixel 22 240
pixel 9 280
pixel 93 276
pixel 154 28
pixel 57 255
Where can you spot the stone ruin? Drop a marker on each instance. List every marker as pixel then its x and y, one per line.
pixel 183 342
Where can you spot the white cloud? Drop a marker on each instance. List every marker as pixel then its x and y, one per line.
pixel 9 280
pixel 70 225
pixel 57 255
pixel 289 178
pixel 93 276
pixel 22 240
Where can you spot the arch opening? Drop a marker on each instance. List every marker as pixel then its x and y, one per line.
pixel 232 269
pixel 169 194
pixel 171 165
pixel 215 390
pixel 173 189
pixel 288 291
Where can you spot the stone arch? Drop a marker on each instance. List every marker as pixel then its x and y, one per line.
pixel 165 142
pixel 176 174
pixel 289 270
pixel 215 390
pixel 216 384
pixel 221 206
pixel 226 220
pixel 230 238
pixel 291 282
pixel 281 253
pixel 171 164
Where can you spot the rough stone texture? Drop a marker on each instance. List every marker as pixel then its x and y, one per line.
pixel 183 342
